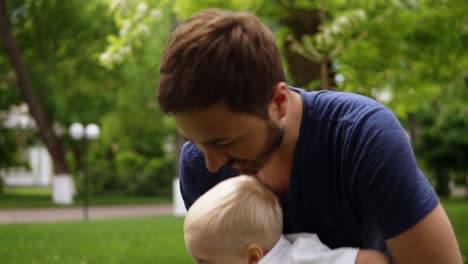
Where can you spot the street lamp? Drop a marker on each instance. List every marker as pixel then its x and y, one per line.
pixel 78 131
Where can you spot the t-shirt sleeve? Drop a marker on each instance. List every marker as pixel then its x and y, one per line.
pixel 189 189
pixel 308 249
pixel 386 180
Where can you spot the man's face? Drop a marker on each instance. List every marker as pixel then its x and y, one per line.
pixel 244 141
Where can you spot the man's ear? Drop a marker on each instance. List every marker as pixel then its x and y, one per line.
pixel 254 253
pixel 280 99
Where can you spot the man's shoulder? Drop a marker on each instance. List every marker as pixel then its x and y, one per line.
pixel 339 106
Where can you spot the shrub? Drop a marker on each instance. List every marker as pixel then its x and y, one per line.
pixel 143 176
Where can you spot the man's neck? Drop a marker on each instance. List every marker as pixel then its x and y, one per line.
pixel 292 125
pixel 277 172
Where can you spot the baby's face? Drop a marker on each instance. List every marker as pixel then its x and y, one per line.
pixel 206 251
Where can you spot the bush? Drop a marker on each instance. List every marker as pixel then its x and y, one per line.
pixel 103 177
pixel 128 165
pixel 156 177
pixel 139 175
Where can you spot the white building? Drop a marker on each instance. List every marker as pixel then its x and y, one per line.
pixel 40 169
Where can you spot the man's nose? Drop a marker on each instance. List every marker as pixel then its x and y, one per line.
pixel 214 159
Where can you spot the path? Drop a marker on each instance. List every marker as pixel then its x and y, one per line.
pixel 76 213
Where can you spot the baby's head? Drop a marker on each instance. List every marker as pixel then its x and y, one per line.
pixel 235 222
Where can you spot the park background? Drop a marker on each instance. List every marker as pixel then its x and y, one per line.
pixel 96 62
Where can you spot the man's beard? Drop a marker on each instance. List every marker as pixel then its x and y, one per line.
pixel 274 140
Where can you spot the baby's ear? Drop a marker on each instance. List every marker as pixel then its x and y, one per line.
pixel 254 253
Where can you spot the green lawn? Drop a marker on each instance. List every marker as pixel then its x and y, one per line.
pixel 139 240
pixel 27 197
pixel 457 210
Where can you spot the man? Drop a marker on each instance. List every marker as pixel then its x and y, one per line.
pixel 341 163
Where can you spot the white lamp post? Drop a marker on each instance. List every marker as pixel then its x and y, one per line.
pixel 90 132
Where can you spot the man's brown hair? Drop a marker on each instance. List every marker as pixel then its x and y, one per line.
pixel 220 57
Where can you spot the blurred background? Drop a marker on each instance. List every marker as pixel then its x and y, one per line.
pixel 80 125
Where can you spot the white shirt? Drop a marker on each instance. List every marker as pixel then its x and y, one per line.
pixel 306 248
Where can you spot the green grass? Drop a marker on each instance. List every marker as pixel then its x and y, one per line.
pixel 457 210
pixel 139 240
pixel 28 190
pixel 33 197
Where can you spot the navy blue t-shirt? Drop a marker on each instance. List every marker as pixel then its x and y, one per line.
pixel 354 181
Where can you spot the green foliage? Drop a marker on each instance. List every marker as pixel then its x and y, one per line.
pixel 186 9
pixel 61 56
pixel 65 46
pixel 155 178
pixel 442 140
pixel 135 21
pixel 413 52
pixel 142 176
pixel 8 151
pixel 333 37
pixel 102 177
pixel 135 129
pixel 8 148
pixel 129 164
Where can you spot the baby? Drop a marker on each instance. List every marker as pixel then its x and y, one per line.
pixel 240 221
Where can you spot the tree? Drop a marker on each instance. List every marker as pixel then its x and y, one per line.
pixel 413 52
pixel 442 140
pixel 62 68
pixel 323 47
pixel 43 121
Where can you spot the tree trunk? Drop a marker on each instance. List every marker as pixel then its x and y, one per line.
pixel 44 123
pixel 304 71
pixel 324 74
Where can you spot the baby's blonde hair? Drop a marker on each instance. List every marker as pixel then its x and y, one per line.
pixel 236 213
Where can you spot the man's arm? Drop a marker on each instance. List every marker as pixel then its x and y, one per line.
pixel 432 240
pixel 390 186
pixel 368 256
